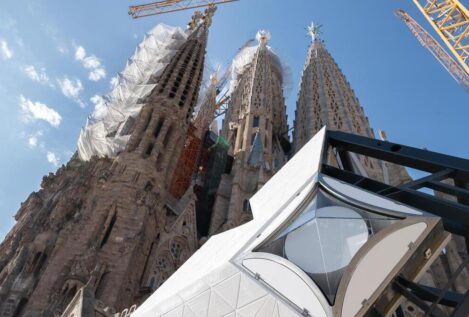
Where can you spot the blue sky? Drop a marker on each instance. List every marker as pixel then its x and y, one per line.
pixel 55 56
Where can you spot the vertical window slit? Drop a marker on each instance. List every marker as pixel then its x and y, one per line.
pixel 158 127
pixel 167 136
pixel 109 227
pixel 149 149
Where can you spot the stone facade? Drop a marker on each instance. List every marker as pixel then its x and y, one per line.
pixel 111 224
pixel 256 128
pixel 327 99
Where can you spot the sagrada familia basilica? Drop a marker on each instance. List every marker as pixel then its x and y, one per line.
pixel 151 181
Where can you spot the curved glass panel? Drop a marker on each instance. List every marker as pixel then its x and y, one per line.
pixel 324 237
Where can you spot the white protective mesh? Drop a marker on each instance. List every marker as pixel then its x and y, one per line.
pixel 106 130
pixel 246 56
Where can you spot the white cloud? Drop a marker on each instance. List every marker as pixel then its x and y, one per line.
pixel 80 53
pixel 113 82
pixel 98 101
pixel 71 88
pixel 99 106
pixel 53 158
pixel 38 76
pixel 90 62
pixel 33 139
pixel 7 53
pixel 33 111
pixel 97 74
pixel 62 49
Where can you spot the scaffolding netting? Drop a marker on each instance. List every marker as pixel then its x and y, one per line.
pixel 247 55
pixel 108 129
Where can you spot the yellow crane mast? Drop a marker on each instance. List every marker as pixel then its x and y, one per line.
pixel 167 6
pixel 427 41
pixel 450 19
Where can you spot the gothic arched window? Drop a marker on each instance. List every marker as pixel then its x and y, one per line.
pixel 176 249
pixel 163 264
pixel 179 248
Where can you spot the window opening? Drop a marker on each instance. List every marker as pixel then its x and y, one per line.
pixel 109 229
pixel 158 127
pixel 255 121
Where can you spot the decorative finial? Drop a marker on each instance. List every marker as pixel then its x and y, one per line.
pixel 314 30
pixel 208 14
pixel 195 20
pixel 214 77
pixel 263 36
pixel 382 135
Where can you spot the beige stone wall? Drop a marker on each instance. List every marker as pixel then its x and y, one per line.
pixel 327 99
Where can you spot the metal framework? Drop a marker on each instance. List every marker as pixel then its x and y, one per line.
pixel 453 211
pixel 456 71
pixel 167 6
pixel 450 19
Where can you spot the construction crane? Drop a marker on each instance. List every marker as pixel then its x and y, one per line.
pixel 456 70
pixel 450 19
pixel 167 6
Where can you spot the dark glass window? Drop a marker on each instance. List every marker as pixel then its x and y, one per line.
pixel 255 122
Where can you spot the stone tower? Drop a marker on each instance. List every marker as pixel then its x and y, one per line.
pixel 256 128
pixel 327 99
pixel 110 223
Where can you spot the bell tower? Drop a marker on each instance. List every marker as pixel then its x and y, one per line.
pixel 256 127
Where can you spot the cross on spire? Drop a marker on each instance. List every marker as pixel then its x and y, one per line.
pixel 314 30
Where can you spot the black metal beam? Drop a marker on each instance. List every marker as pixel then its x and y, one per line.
pixel 399 154
pixel 463 309
pixel 431 294
pixel 437 312
pixel 448 189
pixel 455 217
pixel 418 183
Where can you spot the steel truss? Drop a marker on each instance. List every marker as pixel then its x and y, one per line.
pixel 168 6
pixel 454 214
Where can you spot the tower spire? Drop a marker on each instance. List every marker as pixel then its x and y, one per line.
pixel 327 99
